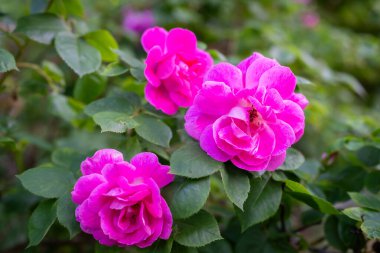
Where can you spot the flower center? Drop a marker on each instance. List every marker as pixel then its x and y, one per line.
pixel 253 114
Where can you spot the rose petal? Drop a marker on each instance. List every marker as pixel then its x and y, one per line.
pixel 102 157
pixel 155 36
pixel 226 73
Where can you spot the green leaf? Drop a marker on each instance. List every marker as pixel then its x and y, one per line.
pixel 68 158
pixel 294 159
pixel 61 107
pixel 104 42
pixel 369 155
pixel 332 234
pixel 153 130
pixel 67 7
pixel 41 27
pixel 114 121
pixel 187 197
pixel 78 55
pixel 299 192
pixel 47 181
pixel 54 72
pixel 368 201
pixel 41 220
pixel 370 220
pixel 137 67
pixel 236 185
pixel 113 69
pixel 262 203
pixel 198 230
pixel 191 161
pixel 372 181
pixel 220 246
pixel 127 103
pixel 133 147
pixel 66 214
pixel 7 61
pixel 160 246
pixel 255 240
pixel 89 87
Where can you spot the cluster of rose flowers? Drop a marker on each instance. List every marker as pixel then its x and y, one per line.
pixel 248 114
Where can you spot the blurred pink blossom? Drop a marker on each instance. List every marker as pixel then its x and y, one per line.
pixel 310 19
pixel 137 21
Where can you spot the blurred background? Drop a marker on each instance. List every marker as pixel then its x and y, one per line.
pixel 333 46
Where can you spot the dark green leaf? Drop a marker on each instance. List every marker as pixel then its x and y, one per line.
pixel 113 69
pixel 191 161
pixel 299 192
pixel 198 230
pixel 47 181
pixel 372 181
pixel 294 159
pixel 127 104
pixel 369 155
pixel 104 42
pixel 7 61
pixel 114 121
pixel 80 56
pixel 186 197
pixel 160 246
pixel 236 185
pixel 220 246
pixel 133 147
pixel 66 214
pixel 61 107
pixel 262 203
pixel 68 158
pixel 153 130
pixel 332 234
pixel 89 87
pixel 41 220
pixel 41 27
pixel 368 201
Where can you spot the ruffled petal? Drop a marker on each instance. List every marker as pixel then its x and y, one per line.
pixel 101 158
pixel 284 136
pixel 196 121
pixel 84 186
pixel 226 73
pixel 208 144
pixel 181 40
pixel 155 36
pixel 280 78
pixel 159 98
pixel 256 70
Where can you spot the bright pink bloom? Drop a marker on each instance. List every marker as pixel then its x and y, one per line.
pixel 248 114
pixel 175 68
pixel 119 203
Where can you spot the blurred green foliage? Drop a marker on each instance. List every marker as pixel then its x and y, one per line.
pixel 45 115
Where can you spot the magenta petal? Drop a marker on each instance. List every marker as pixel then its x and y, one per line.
pixel 208 144
pixel 168 220
pixel 276 161
pixel 284 135
pixel 155 36
pixel 159 98
pixel 299 99
pixel 256 70
pixel 293 115
pixel 154 56
pixel 181 40
pixel 113 172
pixel 147 165
pixel 215 98
pixel 244 65
pixel 101 158
pixel 280 78
pixel 196 121
pixel 166 67
pixel 266 142
pixel 226 73
pixel 250 163
pixel 84 186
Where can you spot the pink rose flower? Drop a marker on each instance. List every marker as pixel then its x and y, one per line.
pixel 175 68
pixel 137 21
pixel 248 114
pixel 119 203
